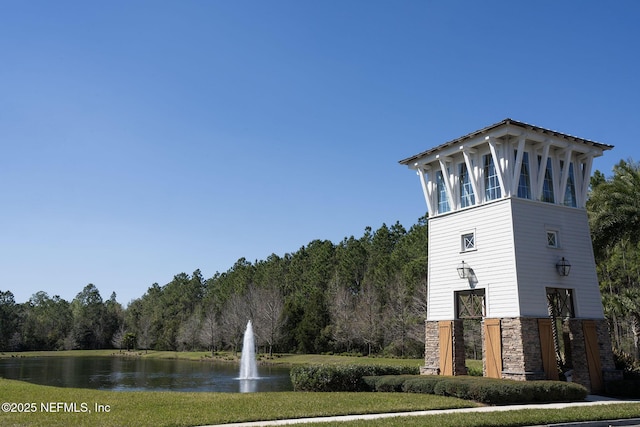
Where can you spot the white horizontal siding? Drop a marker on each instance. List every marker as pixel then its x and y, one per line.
pixel 536 261
pixel 493 261
pixel 513 262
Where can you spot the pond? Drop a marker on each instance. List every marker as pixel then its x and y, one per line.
pixel 138 374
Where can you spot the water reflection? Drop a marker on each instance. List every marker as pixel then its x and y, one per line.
pixel 138 374
pixel 248 386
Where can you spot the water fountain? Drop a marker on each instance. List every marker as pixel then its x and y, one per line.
pixel 248 363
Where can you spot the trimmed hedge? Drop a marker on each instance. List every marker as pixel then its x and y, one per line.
pixel 422 384
pixel 342 377
pixel 485 390
pixel 492 391
pixel 387 383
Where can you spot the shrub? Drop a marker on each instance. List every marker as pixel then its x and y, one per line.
pixel 423 384
pixel 486 390
pixel 389 383
pixel 341 377
pixel 393 379
pixel 500 392
pixel 627 364
pixel 452 387
pixel 557 391
pixel 372 382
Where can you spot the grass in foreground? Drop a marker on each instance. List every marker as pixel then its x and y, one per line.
pixel 190 409
pixel 526 417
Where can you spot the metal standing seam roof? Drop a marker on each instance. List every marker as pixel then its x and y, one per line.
pixel 507 121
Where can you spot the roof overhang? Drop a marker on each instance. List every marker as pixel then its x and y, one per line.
pixel 498 130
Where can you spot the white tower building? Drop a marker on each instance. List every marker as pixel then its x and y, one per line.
pixel 509 244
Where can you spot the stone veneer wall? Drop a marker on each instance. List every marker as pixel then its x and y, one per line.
pixel 431 349
pixel 521 351
pixel 578 353
pixel 609 370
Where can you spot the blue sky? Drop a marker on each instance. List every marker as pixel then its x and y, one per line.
pixel 142 139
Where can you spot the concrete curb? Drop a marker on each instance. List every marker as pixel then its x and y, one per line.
pixel 590 401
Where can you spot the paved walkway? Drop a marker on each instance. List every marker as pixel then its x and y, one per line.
pixel 590 401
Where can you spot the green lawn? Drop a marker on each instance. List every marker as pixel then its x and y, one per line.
pixel 189 409
pixel 318 359
pixel 527 417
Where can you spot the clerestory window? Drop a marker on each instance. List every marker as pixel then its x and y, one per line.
pixel 467 197
pixel 524 183
pixel 570 190
pixel 492 189
pixel 547 187
pixel 443 201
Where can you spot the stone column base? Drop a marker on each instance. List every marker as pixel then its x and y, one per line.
pixel 431 350
pixel 429 370
pixel 524 376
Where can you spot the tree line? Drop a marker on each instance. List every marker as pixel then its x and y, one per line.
pixel 362 295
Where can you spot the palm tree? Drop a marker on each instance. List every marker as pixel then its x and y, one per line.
pixel 630 300
pixel 614 312
pixel 614 207
pixel 614 218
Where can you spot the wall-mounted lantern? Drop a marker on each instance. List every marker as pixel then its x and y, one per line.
pixel 563 267
pixel 464 271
